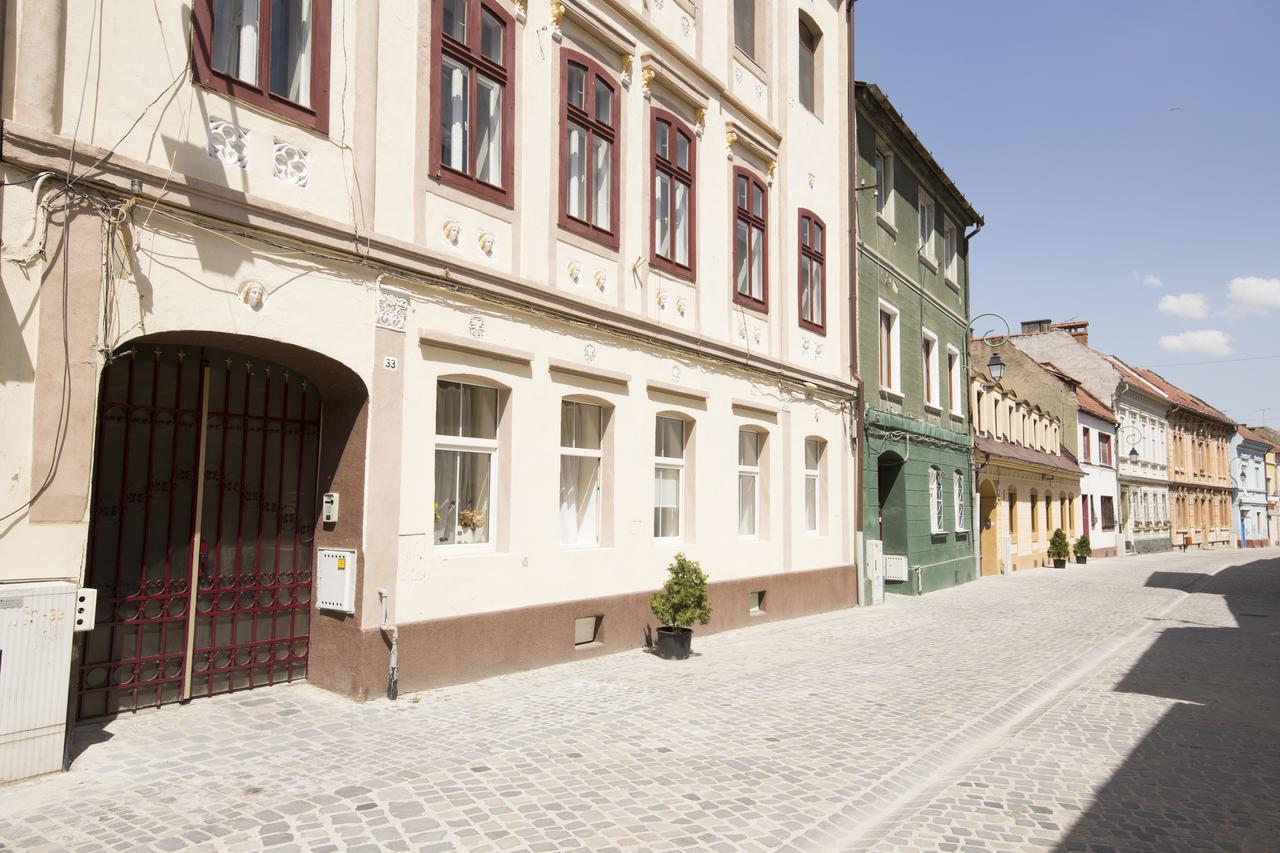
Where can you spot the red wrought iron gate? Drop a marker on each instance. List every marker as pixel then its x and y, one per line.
pixel 204 480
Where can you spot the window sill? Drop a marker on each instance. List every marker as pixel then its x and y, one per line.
pixel 588 236
pixel 473 186
pixel 659 264
pixel 951 282
pixel 957 416
pixel 669 541
pixel 752 65
pixel 752 304
pixel 887 226
pixel 464 549
pixel 932 408
pixel 928 262
pixel 891 394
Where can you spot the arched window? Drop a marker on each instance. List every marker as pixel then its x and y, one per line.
pixel 935 501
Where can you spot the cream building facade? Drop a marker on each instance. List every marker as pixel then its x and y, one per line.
pixel 479 311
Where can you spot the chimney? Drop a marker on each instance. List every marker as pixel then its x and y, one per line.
pixel 1030 327
pixel 1078 330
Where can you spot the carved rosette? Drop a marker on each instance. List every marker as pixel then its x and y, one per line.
pixel 393 310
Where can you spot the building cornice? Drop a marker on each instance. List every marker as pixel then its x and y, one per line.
pixel 111 172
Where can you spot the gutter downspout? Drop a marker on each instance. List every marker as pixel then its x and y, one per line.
pixel 851 104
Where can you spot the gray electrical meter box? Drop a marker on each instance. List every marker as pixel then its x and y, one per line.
pixel 336 579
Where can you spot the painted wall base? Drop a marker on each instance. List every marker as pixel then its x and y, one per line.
pixel 440 652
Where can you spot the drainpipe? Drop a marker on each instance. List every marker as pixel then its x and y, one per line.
pixel 859 426
pixel 392 633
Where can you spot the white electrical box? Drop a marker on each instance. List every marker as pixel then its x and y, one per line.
pixel 329 508
pixel 336 579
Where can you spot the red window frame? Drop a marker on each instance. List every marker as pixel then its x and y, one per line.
pixel 1086 449
pixel 204 74
pixel 1104 449
pixel 470 57
pixel 745 214
pixel 585 117
pixel 658 164
pixel 814 255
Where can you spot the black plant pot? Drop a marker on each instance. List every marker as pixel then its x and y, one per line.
pixel 1059 564
pixel 1081 560
pixel 674 643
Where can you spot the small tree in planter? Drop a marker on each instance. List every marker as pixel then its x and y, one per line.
pixel 1083 549
pixel 1059 550
pixel 682 601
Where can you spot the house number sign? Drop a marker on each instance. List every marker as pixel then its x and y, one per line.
pixel 390 362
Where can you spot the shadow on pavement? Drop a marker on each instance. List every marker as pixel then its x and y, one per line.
pixel 1207 776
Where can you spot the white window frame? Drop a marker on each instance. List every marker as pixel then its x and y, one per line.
pixel 884 190
pixel 954 384
pixel 587 453
pixel 932 393
pixel 753 472
pixel 895 347
pixel 464 444
pixel 671 463
pixel 959 496
pixel 813 475
pixel 925 239
pixel 951 251
pixel 937 515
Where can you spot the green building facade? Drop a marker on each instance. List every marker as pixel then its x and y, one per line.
pixel 913 317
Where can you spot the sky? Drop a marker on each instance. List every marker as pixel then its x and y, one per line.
pixel 1126 158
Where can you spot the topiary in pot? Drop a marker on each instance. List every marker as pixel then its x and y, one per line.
pixel 682 601
pixel 1059 550
pixel 1083 549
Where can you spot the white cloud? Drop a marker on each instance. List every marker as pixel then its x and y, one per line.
pixel 1149 280
pixel 1251 293
pixel 1200 341
pixel 1190 306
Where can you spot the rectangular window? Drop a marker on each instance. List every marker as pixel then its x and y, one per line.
pixel 813 448
pixel 748 482
pixel 1108 513
pixel 888 348
pixel 744 26
pixel 1035 513
pixel 755 602
pixel 1086 451
pixel 1104 449
pixel 929 362
pixel 474 53
pixel 938 519
pixel 925 242
pixel 466 450
pixel 668 479
pixel 673 195
pixel 589 115
pixel 237 42
pixel 950 267
pixel 955 395
pixel 813 265
pixel 960 497
pixel 751 210
pixel 884 186
pixel 581 430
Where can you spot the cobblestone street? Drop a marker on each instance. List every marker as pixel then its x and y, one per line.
pixel 1131 704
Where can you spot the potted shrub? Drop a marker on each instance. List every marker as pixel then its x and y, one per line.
pixel 1059 550
pixel 1083 549
pixel 682 601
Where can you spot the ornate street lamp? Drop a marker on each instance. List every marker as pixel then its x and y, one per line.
pixel 995 365
pixel 1133 441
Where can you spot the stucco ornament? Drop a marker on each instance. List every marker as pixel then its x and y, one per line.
pixel 756 336
pixel 522 10
pixel 624 69
pixel 730 140
pixel 684 24
pixel 290 163
pixel 817 350
pixel 675 373
pixel 557 15
pixel 228 143
pixel 476 326
pixel 773 168
pixel 601 280
pixel 392 311
pixel 699 121
pixel 681 305
pixel 589 353
pixel 647 76
pixel 737 75
pixel 487 241
pixel 742 331
pixel 452 231
pixel 253 295
pixel 813 180
pixel 804 346
pixel 661 299
pixel 575 270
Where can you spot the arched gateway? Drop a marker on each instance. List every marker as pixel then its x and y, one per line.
pixel 203 516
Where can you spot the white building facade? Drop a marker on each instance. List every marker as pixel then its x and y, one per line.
pixel 1249 473
pixel 424 333
pixel 1099 491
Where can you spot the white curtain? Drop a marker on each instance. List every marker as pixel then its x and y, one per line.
pixel 577 172
pixel 489 131
pixel 746 504
pixel 453 116
pixel 235 39
pixel 579 500
pixel 602 182
pixel 662 215
pixel 682 224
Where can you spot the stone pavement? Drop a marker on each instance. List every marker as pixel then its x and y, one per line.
pixel 1097 708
